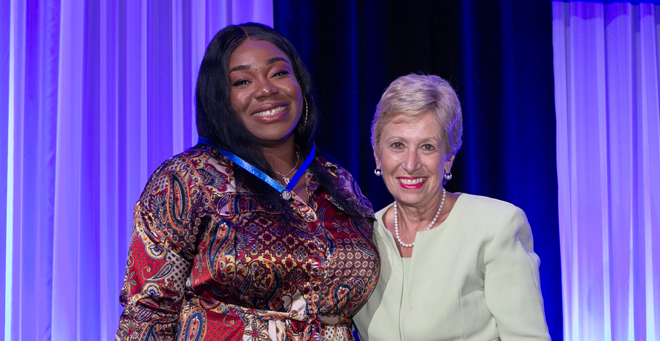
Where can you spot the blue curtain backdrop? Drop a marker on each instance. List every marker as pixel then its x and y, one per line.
pixel 607 95
pixel 497 54
pixel 95 94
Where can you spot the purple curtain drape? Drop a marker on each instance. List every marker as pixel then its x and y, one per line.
pixel 607 72
pixel 94 95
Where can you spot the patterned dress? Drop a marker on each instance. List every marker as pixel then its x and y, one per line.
pixel 207 262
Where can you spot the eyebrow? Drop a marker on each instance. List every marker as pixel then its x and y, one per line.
pixel 276 59
pixel 268 62
pixel 239 68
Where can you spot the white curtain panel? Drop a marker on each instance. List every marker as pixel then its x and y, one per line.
pixel 606 65
pixel 94 95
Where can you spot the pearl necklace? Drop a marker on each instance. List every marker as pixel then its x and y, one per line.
pixel 286 176
pixel 396 221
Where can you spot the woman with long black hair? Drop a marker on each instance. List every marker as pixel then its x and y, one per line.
pixel 251 234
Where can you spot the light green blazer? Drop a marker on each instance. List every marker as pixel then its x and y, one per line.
pixel 474 277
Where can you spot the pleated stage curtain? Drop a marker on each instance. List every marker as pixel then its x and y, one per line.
pixel 94 95
pixel 606 59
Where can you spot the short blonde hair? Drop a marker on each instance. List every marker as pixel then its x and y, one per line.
pixel 414 95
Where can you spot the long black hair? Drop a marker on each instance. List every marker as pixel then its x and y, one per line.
pixel 217 121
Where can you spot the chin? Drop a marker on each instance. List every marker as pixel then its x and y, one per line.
pixel 409 200
pixel 273 139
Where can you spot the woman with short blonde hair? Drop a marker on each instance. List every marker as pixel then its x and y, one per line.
pixel 454 266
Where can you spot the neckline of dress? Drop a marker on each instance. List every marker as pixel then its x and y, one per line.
pixel 381 222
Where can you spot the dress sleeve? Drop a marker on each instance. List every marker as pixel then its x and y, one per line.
pixel 163 243
pixel 512 289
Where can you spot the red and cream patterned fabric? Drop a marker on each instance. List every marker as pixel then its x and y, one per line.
pixel 206 262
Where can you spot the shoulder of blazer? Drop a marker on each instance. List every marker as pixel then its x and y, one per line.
pixel 482 217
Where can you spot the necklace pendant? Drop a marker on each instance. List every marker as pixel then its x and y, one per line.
pixel 286 180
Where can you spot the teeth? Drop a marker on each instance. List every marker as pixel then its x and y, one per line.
pixel 270 112
pixel 412 181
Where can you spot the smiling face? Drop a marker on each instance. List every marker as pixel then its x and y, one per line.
pixel 413 159
pixel 264 91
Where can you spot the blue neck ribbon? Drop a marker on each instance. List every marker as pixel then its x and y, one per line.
pixel 285 192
